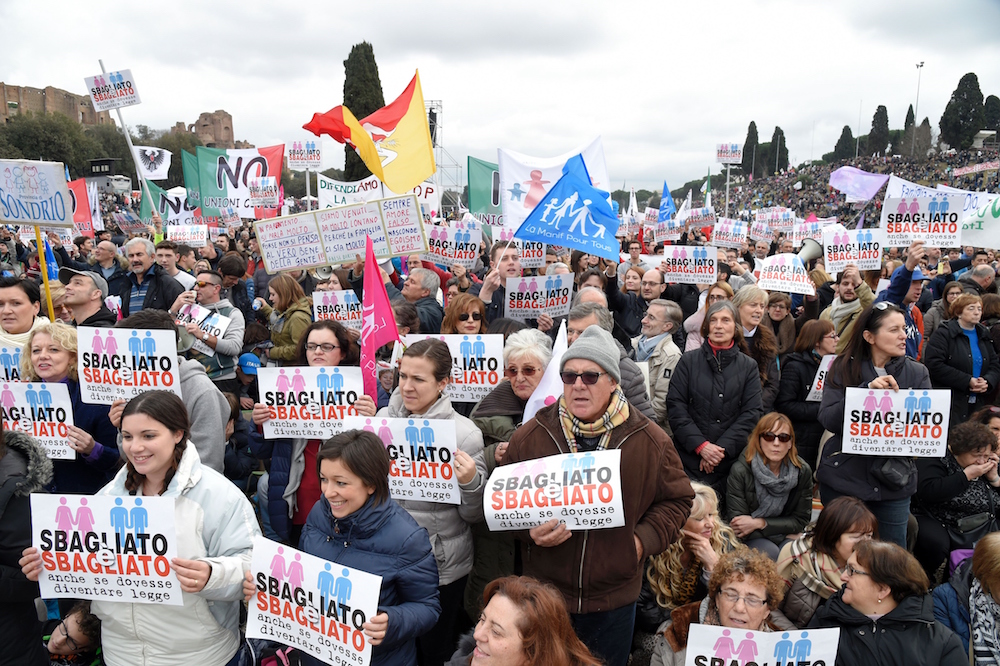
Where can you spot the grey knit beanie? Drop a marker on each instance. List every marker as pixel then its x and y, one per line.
pixel 595 344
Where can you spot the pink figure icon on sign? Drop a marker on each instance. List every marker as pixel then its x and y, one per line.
pixel 111 345
pixel 676 252
pixel 282 382
pixel 914 207
pixel 64 517
pixel 902 208
pixel 885 405
pixel 724 648
pixel 326 298
pixel 295 573
pixel 871 402
pixel 368 426
pixel 298 381
pixel 278 565
pixel 523 286
pixel 536 189
pixel 98 345
pixel 7 397
pixel 747 651
pixel 84 517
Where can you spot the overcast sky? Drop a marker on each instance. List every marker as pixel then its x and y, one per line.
pixel 661 82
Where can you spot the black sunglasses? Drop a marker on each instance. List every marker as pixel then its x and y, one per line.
pixel 784 437
pixel 589 378
pixel 465 316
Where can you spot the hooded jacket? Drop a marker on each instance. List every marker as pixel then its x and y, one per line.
pixel 447 524
pixel 798 373
pixel 905 636
pixel 24 469
pixel 215 523
pixel 288 464
pixel 383 540
pixel 598 570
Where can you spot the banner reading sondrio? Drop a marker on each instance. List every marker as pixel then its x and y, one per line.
pixel 121 363
pixel 908 422
pixel 696 264
pixel 106 548
pixel 583 490
pixel 311 604
pixel 308 402
pixel 543 294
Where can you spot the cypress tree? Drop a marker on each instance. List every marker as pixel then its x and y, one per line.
pixel 362 95
pixel 964 115
pixel 878 138
pixel 749 147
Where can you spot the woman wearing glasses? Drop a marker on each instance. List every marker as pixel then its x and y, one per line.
pixel 465 315
pixel 874 358
pixel 720 291
pixel 769 497
pixel 424 373
pixel 885 612
pixel 798 374
pixel 526 354
pixel 742 592
pixel 291 493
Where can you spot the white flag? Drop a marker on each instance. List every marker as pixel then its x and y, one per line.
pixel 95 206
pixel 153 163
pixel 551 386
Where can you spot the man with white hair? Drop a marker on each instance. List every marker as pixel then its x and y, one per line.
pixel 421 289
pixel 656 346
pixel 146 285
pixel 979 281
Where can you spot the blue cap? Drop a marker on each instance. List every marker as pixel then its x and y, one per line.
pixel 249 363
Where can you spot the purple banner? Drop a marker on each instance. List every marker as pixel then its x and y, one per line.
pixel 857 184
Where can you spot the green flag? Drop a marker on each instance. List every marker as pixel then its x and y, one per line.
pixel 191 182
pixel 225 175
pixel 484 191
pixel 173 209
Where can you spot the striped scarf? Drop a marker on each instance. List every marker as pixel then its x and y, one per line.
pixel 615 415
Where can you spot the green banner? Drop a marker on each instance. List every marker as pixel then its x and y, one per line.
pixel 484 191
pixel 191 182
pixel 173 210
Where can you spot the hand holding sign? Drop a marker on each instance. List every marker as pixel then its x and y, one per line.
pixel 550 534
pixel 885 382
pixel 193 575
pixel 31 563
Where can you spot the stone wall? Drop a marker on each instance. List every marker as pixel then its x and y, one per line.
pixel 18 99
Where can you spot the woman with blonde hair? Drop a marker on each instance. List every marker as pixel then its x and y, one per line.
pixel 751 303
pixel 288 316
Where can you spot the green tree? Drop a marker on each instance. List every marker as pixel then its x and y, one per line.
pixel 923 143
pixel 362 95
pixel 878 138
pixel 52 137
pixel 750 150
pixel 910 119
pixel 991 112
pixel 964 114
pixel 781 146
pixel 110 142
pixel 844 149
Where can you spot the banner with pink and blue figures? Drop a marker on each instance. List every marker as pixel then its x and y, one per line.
pixel 785 272
pixel 691 264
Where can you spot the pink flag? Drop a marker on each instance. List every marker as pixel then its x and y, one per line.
pixel 378 323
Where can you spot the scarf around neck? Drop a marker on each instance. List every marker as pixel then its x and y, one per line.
pixel 615 415
pixel 646 346
pixel 983 628
pixel 772 491
pixel 840 310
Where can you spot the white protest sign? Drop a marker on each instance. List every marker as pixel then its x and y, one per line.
pixel 35 193
pixel 477 364
pixel 819 381
pixel 981 228
pixel 933 220
pixel 121 363
pixel 695 264
pixel 778 219
pixel 290 242
pixel 861 247
pixel 209 321
pixel 698 217
pixel 528 297
pixel 785 272
pixel 729 233
pixel 305 155
pixel 908 422
pixel 728 153
pixel 264 192
pixel 112 90
pixel 668 229
pixel 311 604
pixel 971 201
pixel 43 411
pixel 334 193
pixel 195 235
pixel 532 253
pixel 582 490
pixel 759 230
pixel 421 453
pixel 309 402
pixel 106 548
pixel 344 231
pixel 342 306
pixel 804 230
pixel 710 645
pixel 455 243
pixel 10 363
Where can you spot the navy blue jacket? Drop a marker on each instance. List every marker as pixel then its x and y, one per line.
pixel 279 451
pixel 83 475
pixel 951 601
pixel 899 285
pixel 382 540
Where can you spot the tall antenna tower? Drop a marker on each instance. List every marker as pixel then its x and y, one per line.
pixel 449 174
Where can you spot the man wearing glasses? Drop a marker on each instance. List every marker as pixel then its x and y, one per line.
pixel 599 572
pixel 221 344
pixel 656 346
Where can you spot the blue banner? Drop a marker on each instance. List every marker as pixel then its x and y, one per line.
pixel 667 207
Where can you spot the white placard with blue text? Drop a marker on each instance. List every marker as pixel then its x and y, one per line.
pixel 35 193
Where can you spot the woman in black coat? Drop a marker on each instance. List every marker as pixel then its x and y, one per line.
pixel 798 373
pixel 875 358
pixel 714 400
pixel 970 372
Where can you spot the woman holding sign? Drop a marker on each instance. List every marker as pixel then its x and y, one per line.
pixel 288 319
pixel 960 356
pixel 290 490
pixel 215 526
pixel 50 357
pixel 875 358
pixel 424 373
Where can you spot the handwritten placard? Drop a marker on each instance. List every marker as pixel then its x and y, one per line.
pixel 35 193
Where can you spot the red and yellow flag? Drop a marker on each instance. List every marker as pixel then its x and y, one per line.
pixel 394 142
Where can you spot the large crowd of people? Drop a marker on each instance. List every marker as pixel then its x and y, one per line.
pixel 741 507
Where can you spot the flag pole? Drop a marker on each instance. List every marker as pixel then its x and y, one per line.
pixel 45 272
pixel 131 149
pixel 728 165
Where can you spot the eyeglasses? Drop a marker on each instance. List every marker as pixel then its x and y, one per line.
pixel 832 336
pixel 851 572
pixel 513 372
pixel 733 598
pixel 713 298
pixel 784 437
pixel 589 378
pixel 73 645
pixel 326 346
pixel 465 316
pixel 202 283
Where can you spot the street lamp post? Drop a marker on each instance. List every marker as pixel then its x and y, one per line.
pixel 916 106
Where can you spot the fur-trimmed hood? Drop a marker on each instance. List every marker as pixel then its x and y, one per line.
pixel 25 457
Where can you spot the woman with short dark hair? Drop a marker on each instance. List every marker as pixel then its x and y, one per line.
pixel 885 612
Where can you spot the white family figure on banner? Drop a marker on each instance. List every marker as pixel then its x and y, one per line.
pixel 567 209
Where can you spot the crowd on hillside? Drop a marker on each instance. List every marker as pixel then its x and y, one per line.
pixel 741 507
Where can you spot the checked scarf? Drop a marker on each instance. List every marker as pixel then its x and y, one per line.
pixel 615 415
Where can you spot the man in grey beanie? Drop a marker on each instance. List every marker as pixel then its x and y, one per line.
pixel 594 568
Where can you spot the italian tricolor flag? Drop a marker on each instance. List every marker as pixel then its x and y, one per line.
pixel 225 176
